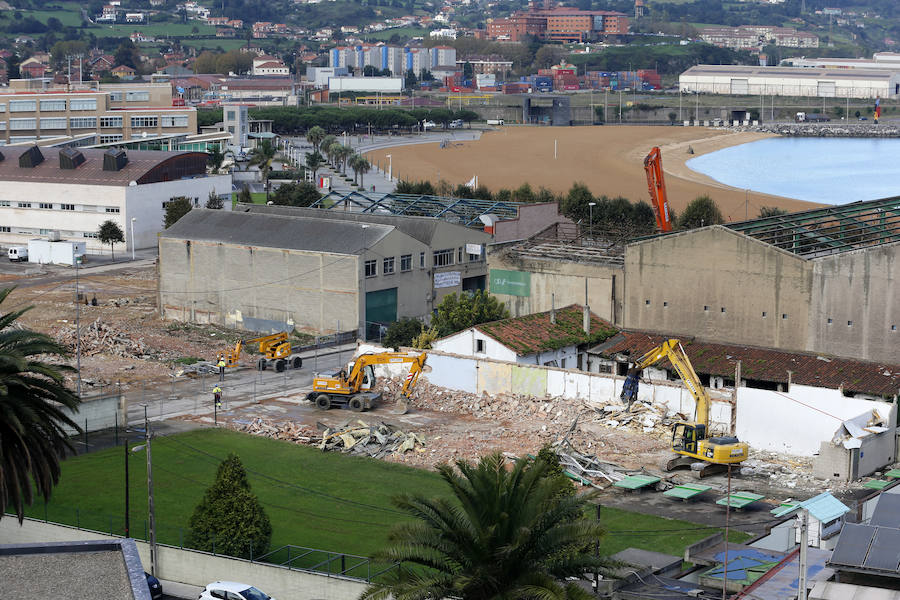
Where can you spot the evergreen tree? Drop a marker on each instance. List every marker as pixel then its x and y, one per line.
pixel 175 209
pixel 110 233
pixel 230 519
pixel 702 211
pixel 457 312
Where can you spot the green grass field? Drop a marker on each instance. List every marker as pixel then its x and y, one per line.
pixel 258 197
pixel 314 499
pixel 184 30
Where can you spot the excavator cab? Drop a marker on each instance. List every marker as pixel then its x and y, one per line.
pixel 685 437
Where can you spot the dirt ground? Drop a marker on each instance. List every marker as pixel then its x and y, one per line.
pixel 608 159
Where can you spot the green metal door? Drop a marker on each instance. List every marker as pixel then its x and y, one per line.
pixel 381 307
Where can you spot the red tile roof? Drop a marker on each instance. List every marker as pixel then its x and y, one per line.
pixel 764 364
pixel 534 333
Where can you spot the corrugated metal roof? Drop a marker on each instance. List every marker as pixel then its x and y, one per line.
pixel 769 365
pixel 276 231
pixel 825 507
pixel 535 333
pixel 798 72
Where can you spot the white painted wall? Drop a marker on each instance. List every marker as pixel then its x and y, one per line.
pixel 464 344
pixel 145 202
pixel 797 422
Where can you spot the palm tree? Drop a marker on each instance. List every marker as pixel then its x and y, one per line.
pixel 315 135
pixel 262 157
pixel 342 154
pixel 334 150
pixel 33 394
pixel 513 534
pixel 325 146
pixel 314 161
pixel 363 166
pixel 353 163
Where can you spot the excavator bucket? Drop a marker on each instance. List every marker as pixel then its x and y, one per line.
pixel 402 407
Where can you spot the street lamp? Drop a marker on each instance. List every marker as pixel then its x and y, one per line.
pixel 152 512
pixel 390 167
pixel 591 206
pixel 133 219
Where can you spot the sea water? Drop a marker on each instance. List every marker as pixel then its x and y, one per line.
pixel 824 170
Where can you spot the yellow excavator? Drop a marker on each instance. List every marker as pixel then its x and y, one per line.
pixel 351 387
pixel 276 349
pixel 692 448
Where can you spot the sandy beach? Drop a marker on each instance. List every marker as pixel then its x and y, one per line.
pixel 608 159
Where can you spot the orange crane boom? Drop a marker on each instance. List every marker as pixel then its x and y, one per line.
pixel 657 186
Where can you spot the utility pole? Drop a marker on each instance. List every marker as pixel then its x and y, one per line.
pixel 727 514
pixel 154 568
pixel 803 517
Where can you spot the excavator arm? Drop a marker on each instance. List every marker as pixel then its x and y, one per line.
pixel 672 350
pixel 418 362
pixel 656 183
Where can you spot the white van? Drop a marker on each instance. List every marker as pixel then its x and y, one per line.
pixel 18 254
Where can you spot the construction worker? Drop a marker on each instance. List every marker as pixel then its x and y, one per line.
pixel 217 396
pixel 221 366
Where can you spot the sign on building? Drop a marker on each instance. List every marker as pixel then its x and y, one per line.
pixel 512 283
pixel 474 249
pixel 447 279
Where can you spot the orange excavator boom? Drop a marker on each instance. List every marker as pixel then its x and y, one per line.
pixel 657 186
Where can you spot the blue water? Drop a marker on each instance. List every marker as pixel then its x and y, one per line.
pixel 825 170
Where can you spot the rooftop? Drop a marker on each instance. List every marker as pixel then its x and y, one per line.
pixel 762 364
pixel 825 507
pixel 142 167
pixel 798 72
pixel 534 333
pixel 276 231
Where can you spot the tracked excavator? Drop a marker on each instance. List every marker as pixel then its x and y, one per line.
pixel 690 442
pixel 276 352
pixel 351 386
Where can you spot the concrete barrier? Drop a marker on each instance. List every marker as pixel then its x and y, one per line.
pixel 199 568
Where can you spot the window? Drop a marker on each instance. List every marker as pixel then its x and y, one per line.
pixel 722 309
pixel 705 308
pixel 388 266
pixel 371 268
pixel 893 328
pixel 646 303
pixel 115 96
pixel 22 124
pixel 137 96
pixel 2 125
pixel 4 203
pixel 479 345
pixel 111 210
pixel 421 260
pixel 22 105
pixel 406 263
pixel 849 323
pixel 24 204
pixel 5 229
pixel 44 232
pixel 830 320
pixel 109 139
pixel 45 205
pixel 665 304
pixel 48 105
pixel 459 256
pixel 231 115
pixel 231 129
pixel 83 122
pixel 784 316
pixel 83 104
pixel 53 123
pixel 90 234
pixel 145 121
pixel 110 121
pixel 442 258
pixel 173 121
pixel 67 207
pixel 3 107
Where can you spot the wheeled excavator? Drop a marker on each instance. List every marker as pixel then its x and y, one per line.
pixel 276 352
pixel 692 448
pixel 351 386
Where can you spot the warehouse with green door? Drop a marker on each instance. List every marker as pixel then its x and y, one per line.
pixel 274 268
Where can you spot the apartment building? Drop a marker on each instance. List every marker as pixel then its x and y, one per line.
pixel 398 60
pixel 754 37
pixel 561 24
pixel 112 113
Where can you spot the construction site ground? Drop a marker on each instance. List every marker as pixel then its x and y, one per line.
pixel 131 344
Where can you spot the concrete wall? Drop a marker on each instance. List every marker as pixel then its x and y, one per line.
pixel 464 343
pixel 857 287
pixel 798 421
pixel 413 286
pixel 301 289
pixel 95 414
pixel 530 219
pixel 562 283
pixel 199 568
pixel 753 293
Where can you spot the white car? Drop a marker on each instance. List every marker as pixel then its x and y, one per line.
pixel 231 590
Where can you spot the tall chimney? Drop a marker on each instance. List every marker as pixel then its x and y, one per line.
pixel 553 309
pixel 587 310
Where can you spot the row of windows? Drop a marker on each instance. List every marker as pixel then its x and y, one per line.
pixel 35 231
pixel 79 123
pixel 129 96
pixel 443 258
pixel 388 265
pixel 144 121
pixel 63 206
pixel 765 314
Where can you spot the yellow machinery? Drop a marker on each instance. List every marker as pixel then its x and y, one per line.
pixel 351 387
pixel 276 350
pixel 692 447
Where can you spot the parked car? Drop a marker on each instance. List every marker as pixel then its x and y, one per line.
pixel 154 585
pixel 456 124
pixel 232 590
pixel 426 125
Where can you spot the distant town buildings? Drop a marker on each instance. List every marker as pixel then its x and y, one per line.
pixel 395 59
pixel 754 37
pixel 559 24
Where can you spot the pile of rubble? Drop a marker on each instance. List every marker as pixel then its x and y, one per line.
pixel 357 437
pixel 99 337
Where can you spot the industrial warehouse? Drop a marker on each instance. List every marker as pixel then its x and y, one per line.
pixel 790 81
